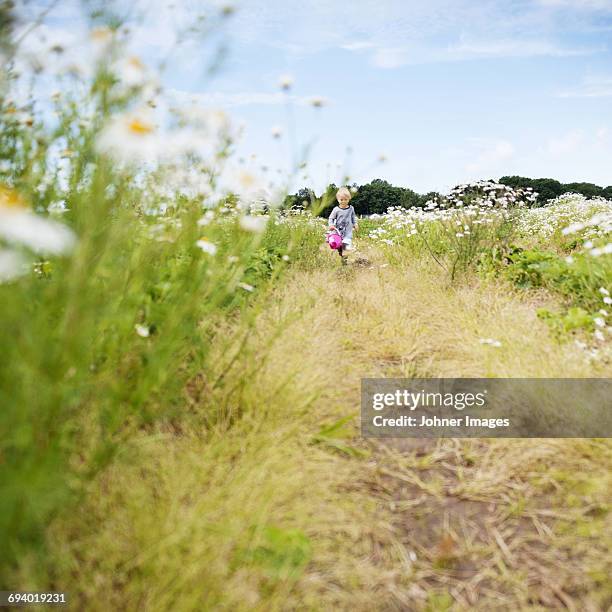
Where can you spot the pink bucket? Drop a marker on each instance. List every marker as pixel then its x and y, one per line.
pixel 334 241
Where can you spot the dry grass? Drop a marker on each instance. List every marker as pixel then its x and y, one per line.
pixel 182 521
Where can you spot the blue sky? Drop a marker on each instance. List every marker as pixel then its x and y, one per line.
pixel 447 90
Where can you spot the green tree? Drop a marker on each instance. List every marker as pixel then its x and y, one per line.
pixel 378 195
pixel 588 189
pixel 550 188
pixel 304 198
pixel 327 201
pixel 431 195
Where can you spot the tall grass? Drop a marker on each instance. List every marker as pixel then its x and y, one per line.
pixel 77 375
pixel 278 504
pixel 99 342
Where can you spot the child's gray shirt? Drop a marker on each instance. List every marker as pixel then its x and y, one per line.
pixel 344 219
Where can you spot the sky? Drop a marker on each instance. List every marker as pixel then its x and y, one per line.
pixel 426 94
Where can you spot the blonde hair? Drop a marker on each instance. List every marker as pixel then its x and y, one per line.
pixel 344 190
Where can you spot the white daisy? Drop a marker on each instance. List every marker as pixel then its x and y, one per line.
pixel 254 223
pixel 130 137
pixel 285 81
pixel 19 225
pixel 206 246
pixel 131 71
pixel 142 330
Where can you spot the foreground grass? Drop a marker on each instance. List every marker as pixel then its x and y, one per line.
pixel 280 505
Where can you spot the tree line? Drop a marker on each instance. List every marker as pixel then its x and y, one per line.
pixel 378 195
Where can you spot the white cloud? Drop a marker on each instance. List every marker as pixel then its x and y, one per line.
pixel 517 48
pixel 591 87
pixel 565 144
pixel 158 29
pixel 358 46
pixel 390 58
pixel 492 153
pixel 394 32
pixel 394 57
pixel 420 31
pixel 226 99
pixel 578 4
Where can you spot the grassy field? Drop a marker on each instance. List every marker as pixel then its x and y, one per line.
pixel 182 356
pixel 276 503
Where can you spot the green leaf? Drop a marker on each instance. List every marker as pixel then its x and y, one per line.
pixel 280 553
pixel 332 435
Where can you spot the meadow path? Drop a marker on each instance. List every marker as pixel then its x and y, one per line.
pixel 462 524
pixel 276 503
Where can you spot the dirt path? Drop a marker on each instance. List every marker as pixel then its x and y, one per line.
pixel 474 524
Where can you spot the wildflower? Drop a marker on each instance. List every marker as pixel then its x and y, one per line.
pixel 142 330
pixel 132 71
pixel 317 102
pixel 604 291
pixel 207 218
pixel 101 34
pixel 607 300
pixel 19 225
pixel 571 229
pixel 286 81
pixel 130 137
pixel 252 223
pixel 246 286
pixel 206 246
pixel 285 257
pixel 605 250
pixel 9 198
pixel 599 322
pixel 603 312
pixel 569 259
pixel 246 185
pixel 102 39
pixel 599 335
pixel 232 258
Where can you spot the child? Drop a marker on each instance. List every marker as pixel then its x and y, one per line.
pixel 343 219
